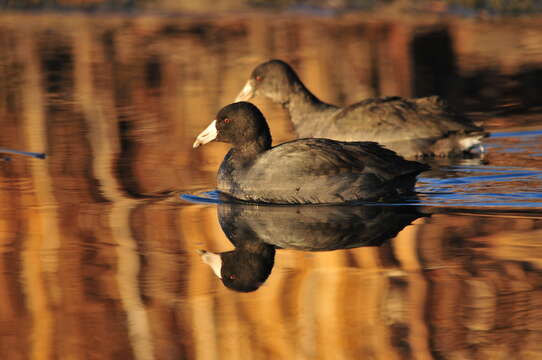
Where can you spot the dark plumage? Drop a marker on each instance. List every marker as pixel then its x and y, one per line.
pixel 411 127
pixel 315 228
pixel 302 171
pixel 256 231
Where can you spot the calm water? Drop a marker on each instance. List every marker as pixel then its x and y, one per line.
pixel 514 183
pixel 99 251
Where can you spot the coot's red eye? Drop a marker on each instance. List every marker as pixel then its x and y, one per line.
pixel 258 78
pixel 227 120
pixel 232 277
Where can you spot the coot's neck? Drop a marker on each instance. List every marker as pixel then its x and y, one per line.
pixel 307 112
pixel 252 249
pixel 254 246
pixel 248 150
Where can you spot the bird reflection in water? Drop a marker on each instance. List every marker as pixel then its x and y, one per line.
pixel 257 231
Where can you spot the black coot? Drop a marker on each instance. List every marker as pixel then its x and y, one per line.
pixel 304 171
pixel 412 127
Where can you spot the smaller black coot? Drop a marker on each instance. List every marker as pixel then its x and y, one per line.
pixel 416 127
pixel 304 171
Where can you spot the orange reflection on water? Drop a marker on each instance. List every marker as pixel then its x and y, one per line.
pixel 99 254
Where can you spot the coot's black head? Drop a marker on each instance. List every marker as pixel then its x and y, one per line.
pixel 240 124
pixel 274 79
pixel 241 270
pixel 245 271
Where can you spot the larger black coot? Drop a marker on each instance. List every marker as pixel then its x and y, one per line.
pixel 411 127
pixel 302 171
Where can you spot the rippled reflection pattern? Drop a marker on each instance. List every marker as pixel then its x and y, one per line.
pixel 98 254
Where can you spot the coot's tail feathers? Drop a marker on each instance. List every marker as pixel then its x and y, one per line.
pixel 405 184
pixel 437 106
pixel 418 167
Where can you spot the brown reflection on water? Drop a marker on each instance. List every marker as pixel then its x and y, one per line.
pixel 98 259
pixel 127 283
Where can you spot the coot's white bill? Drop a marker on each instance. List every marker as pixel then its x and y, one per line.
pixel 247 93
pixel 207 135
pixel 213 260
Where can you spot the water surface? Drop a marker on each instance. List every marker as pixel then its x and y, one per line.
pixel 99 252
